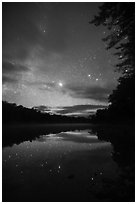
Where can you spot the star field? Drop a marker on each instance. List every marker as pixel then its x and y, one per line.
pixel 52 56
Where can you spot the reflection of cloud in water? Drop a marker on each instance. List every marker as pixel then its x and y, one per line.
pixel 73 136
pixel 20 133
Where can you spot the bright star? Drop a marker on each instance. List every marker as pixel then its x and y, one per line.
pixel 60 84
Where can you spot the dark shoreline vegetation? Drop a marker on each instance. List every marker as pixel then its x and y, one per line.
pixel 11 113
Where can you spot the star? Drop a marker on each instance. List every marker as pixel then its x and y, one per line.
pixel 60 84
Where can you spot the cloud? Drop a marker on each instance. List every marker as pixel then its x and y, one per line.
pixel 20 20
pixel 7 79
pixel 9 67
pixel 79 108
pixel 48 85
pixel 76 110
pixel 96 93
pixel 43 86
pixel 26 23
pixel 90 92
pixel 12 72
pixel 46 109
pixel 41 108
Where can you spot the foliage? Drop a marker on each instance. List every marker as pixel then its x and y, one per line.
pixel 119 18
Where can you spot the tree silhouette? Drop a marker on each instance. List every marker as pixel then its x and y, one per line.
pixel 11 113
pixel 119 18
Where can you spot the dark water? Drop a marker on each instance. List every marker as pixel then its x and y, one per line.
pixel 68 163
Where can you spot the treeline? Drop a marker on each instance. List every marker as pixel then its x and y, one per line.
pixel 122 103
pixel 11 113
pixel 111 115
pixel 119 19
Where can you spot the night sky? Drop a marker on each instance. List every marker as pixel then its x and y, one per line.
pixel 53 57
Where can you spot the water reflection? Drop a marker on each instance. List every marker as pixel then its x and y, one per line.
pixel 75 164
pixel 122 138
pixel 16 134
pixel 74 136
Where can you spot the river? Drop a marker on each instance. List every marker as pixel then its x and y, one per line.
pixel 64 163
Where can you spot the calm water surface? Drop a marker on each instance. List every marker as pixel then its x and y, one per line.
pixel 65 166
